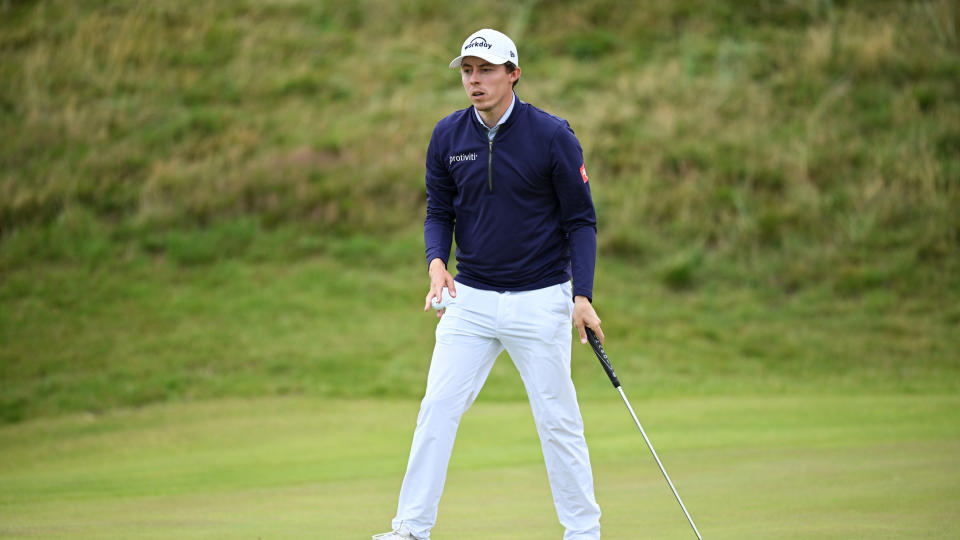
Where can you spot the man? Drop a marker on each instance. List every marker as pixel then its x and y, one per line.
pixel 509 180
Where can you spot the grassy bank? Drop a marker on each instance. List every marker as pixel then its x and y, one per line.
pixel 344 323
pixel 213 199
pixel 792 142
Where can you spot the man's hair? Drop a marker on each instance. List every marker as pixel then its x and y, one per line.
pixel 510 69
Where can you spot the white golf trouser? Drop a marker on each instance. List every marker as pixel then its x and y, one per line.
pixel 534 328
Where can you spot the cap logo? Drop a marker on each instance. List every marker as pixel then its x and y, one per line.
pixel 478 42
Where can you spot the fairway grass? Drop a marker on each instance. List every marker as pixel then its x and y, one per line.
pixel 747 467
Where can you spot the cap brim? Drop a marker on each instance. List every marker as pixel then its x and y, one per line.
pixel 488 57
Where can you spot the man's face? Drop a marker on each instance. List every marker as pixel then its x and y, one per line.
pixel 488 86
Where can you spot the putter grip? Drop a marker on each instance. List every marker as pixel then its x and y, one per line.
pixel 602 357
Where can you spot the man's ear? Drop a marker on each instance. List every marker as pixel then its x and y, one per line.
pixel 515 75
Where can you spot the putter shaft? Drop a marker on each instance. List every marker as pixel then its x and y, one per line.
pixel 608 367
pixel 657 458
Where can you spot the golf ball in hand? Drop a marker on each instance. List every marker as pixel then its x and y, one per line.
pixel 443 301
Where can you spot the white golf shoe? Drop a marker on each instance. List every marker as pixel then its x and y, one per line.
pixel 400 534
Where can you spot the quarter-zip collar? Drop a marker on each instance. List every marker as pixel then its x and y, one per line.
pixel 492 131
pixel 491 134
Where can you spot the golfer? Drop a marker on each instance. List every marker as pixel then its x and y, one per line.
pixel 508 181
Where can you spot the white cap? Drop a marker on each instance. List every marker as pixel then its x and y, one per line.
pixel 494 47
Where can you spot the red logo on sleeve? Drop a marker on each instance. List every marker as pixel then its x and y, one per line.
pixel 583 173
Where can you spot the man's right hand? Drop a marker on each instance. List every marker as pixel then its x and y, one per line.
pixel 439 278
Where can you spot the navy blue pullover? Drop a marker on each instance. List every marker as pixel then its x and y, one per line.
pixel 520 205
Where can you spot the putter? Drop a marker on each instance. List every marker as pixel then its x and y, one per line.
pixel 605 362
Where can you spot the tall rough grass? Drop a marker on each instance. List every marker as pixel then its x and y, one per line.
pixel 791 168
pixel 784 142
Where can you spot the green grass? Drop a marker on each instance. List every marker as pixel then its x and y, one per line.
pixel 211 273
pixel 840 467
pixel 238 215
pixel 347 321
pixel 786 142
